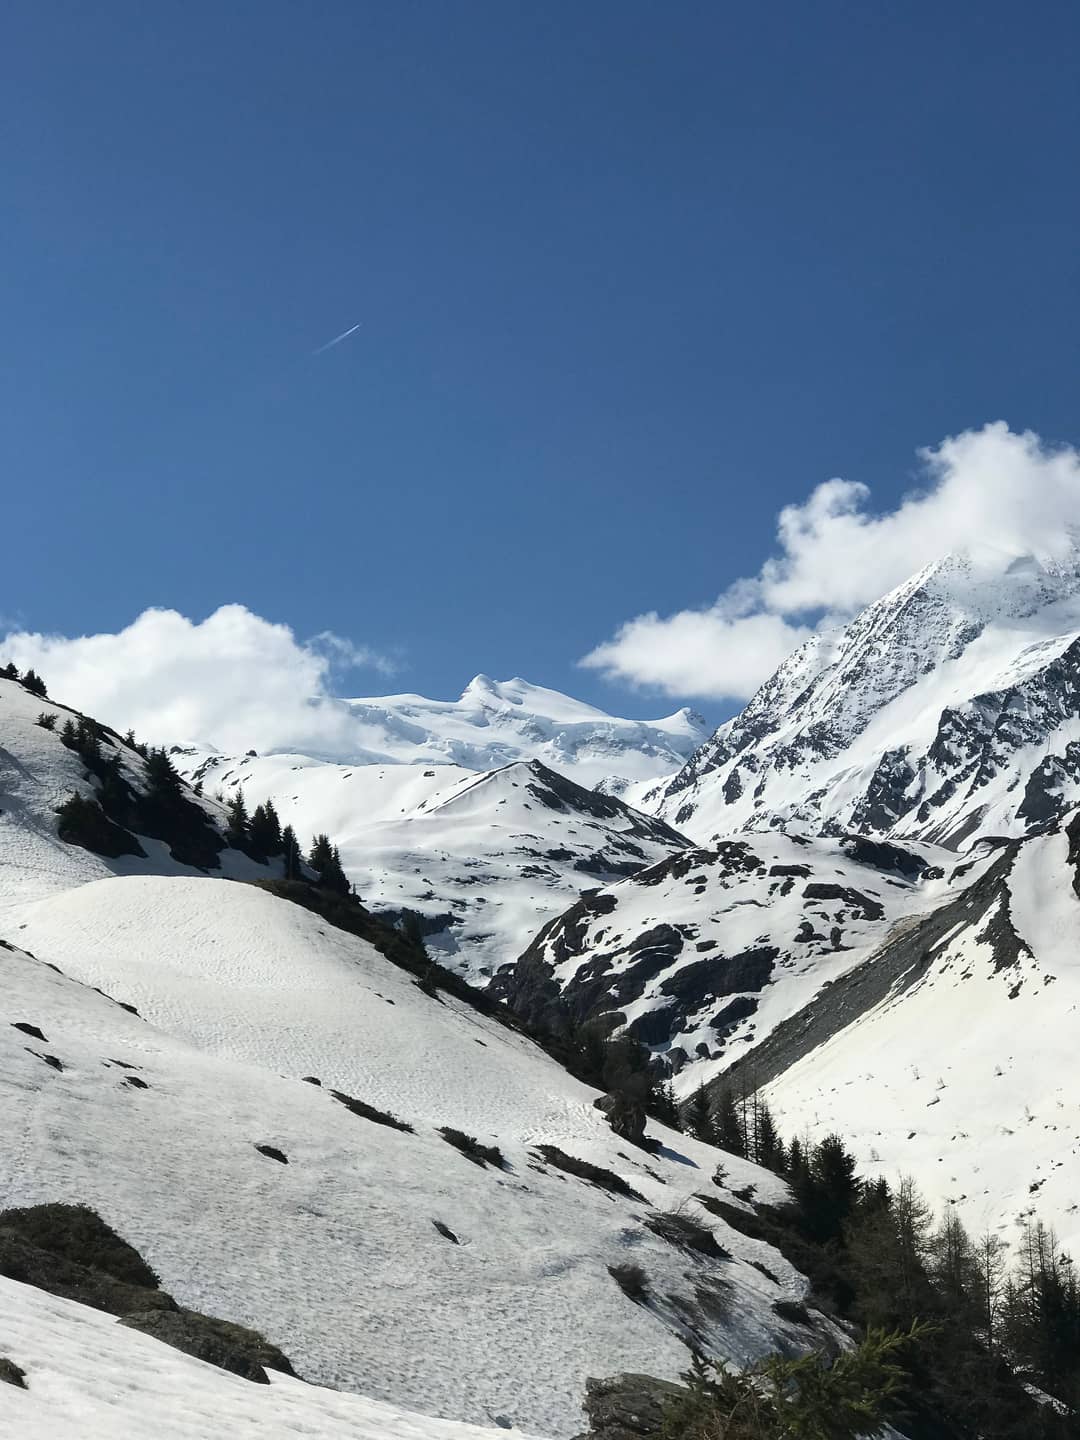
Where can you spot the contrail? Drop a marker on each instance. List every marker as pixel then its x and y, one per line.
pixel 337 339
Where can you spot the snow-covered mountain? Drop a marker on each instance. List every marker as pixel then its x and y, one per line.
pixel 363 1242
pixel 485 858
pixel 948 709
pixel 496 722
pixel 702 955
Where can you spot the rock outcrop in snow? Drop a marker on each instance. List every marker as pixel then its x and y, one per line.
pixel 703 954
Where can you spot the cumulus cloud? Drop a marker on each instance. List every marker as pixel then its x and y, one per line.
pixel 991 488
pixel 234 679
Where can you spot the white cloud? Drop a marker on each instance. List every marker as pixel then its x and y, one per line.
pixel 233 679
pixel 988 488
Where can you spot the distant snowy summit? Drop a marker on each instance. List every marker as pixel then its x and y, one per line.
pixel 948 709
pixel 498 722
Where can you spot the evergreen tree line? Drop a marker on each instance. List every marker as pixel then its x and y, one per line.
pixel 262 835
pixel 876 1256
pixel 32 681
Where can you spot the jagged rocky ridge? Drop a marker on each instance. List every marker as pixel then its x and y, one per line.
pixel 948 709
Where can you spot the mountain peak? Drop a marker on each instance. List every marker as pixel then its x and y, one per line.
pixel 946 709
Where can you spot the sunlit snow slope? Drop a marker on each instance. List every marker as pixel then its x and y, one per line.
pixel 335 1255
pixel 87 1376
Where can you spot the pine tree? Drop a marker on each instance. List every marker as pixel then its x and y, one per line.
pixel 237 824
pixel 10 671
pixel 730 1134
pixel 273 829
pixel 161 775
pixel 828 1190
pixel 768 1147
pixel 325 860
pixel 699 1117
pixel 292 861
pixel 259 832
pixel 34 683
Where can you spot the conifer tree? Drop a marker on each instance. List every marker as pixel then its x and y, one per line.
pixel 273 829
pixel 34 683
pixel 730 1134
pixel 292 861
pixel 768 1149
pixel 699 1116
pixel 237 825
pixel 10 671
pixel 259 831
pixel 161 774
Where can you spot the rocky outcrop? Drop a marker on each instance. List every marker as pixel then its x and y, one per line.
pixel 627 1407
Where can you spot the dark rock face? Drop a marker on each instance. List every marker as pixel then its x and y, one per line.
pixel 634 954
pixel 28 1029
pixel 273 1153
pixel 69 1251
pixel 627 1407
pixel 12 1374
pixel 78 1234
pixel 230 1347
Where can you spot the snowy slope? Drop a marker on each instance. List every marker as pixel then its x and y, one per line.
pixel 335 1256
pixel 704 954
pixel 950 1055
pixel 91 1377
pixel 37 773
pixel 496 722
pixel 948 709
pixel 486 859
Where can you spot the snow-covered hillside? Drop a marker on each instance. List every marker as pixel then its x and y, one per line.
pixel 704 954
pixel 90 1377
pixel 948 709
pixel 950 1054
pixel 38 772
pixel 381 1260
pixel 485 859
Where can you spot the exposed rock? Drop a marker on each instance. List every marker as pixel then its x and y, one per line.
pixel 627 1406
pixel 229 1346
pixel 12 1374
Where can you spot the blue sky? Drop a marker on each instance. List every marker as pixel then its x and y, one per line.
pixel 630 278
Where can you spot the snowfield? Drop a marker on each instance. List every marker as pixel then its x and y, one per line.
pixel 335 1255
pixel 90 1377
pixel 964 1075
